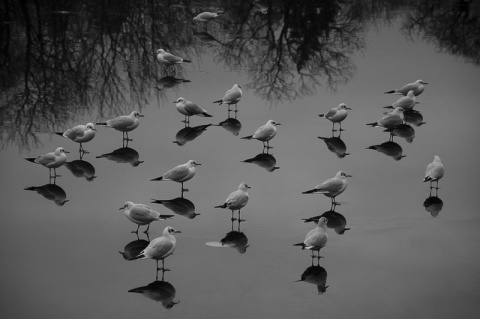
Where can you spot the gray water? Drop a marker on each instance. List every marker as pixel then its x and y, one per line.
pixel 68 63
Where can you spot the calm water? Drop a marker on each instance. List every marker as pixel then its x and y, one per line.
pixel 70 63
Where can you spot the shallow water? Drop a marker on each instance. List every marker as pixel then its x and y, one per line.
pixel 396 259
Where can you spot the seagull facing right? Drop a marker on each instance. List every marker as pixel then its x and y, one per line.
pixel 236 200
pixel 317 238
pixel 141 214
pixel 169 59
pixel 188 109
pixel 160 248
pixel 264 133
pixel 418 86
pixel 51 160
pixel 232 96
pixel 405 102
pixel 180 173
pixel 434 171
pixel 80 134
pixel 124 123
pixel 207 17
pixel 332 187
pixel 336 115
pixel 390 120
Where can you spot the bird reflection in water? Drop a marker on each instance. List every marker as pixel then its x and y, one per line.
pixel 180 206
pixel 433 205
pixel 414 117
pixel 232 125
pixel 123 155
pixel 335 221
pixel 264 160
pixel 169 82
pixel 389 148
pixel 315 275
pixel 80 168
pixel 234 239
pixel 188 134
pixel 51 192
pixel 404 131
pixel 160 291
pixel 134 248
pixel 335 145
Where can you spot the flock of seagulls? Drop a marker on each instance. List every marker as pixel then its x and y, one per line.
pixel 142 215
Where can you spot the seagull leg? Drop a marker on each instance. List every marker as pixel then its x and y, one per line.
pixel 163 266
pixel 55 173
pixel 233 218
pixel 184 189
pixel 146 231
pixel 239 219
pixel 341 129
pixel 136 231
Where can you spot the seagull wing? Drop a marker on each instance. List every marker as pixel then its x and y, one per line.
pixel 171 58
pixel 74 132
pixel 176 174
pixel 121 122
pixel 46 159
pixel 330 186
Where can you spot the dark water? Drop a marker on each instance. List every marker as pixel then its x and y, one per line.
pixel 404 253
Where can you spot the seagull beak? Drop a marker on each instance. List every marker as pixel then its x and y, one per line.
pixel 276 123
pixel 141 115
pixel 121 208
pixel 177 231
pixel 348 108
pixel 348 175
pixel 66 151
pixel 175 101
pixel 197 164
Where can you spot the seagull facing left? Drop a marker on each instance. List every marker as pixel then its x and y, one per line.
pixel 434 171
pixel 51 160
pixel 80 134
pixel 141 214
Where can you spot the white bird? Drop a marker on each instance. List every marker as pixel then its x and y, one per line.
pixel 169 59
pixel 317 238
pixel 51 160
pixel 264 133
pixel 232 96
pixel 336 115
pixel 236 200
pixel 405 102
pixel 418 86
pixel 390 120
pixel 141 214
pixel 332 187
pixel 188 109
pixel 180 173
pixel 207 17
pixel 160 248
pixel 434 171
pixel 80 134
pixel 124 123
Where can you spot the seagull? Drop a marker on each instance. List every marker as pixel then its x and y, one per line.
pixel 160 248
pixel 180 173
pixel 405 102
pixel 236 200
pixel 124 123
pixel 169 59
pixel 317 238
pixel 336 115
pixel 51 160
pixel 232 96
pixel 188 109
pixel 264 133
pixel 418 86
pixel 141 214
pixel 80 134
pixel 434 171
pixel 390 120
pixel 332 187
pixel 207 17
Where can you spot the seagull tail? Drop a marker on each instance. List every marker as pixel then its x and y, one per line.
pixel 188 61
pixel 218 101
pixel 59 133
pixel 372 124
pixel 164 217
pixel 140 256
pixel 310 191
pixel 157 179
pixel 206 115
pixel 247 137
pixel 31 159
pixel 221 206
pixel 427 179
pixel 321 115
pixel 103 123
pixel 390 92
pixel 300 244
